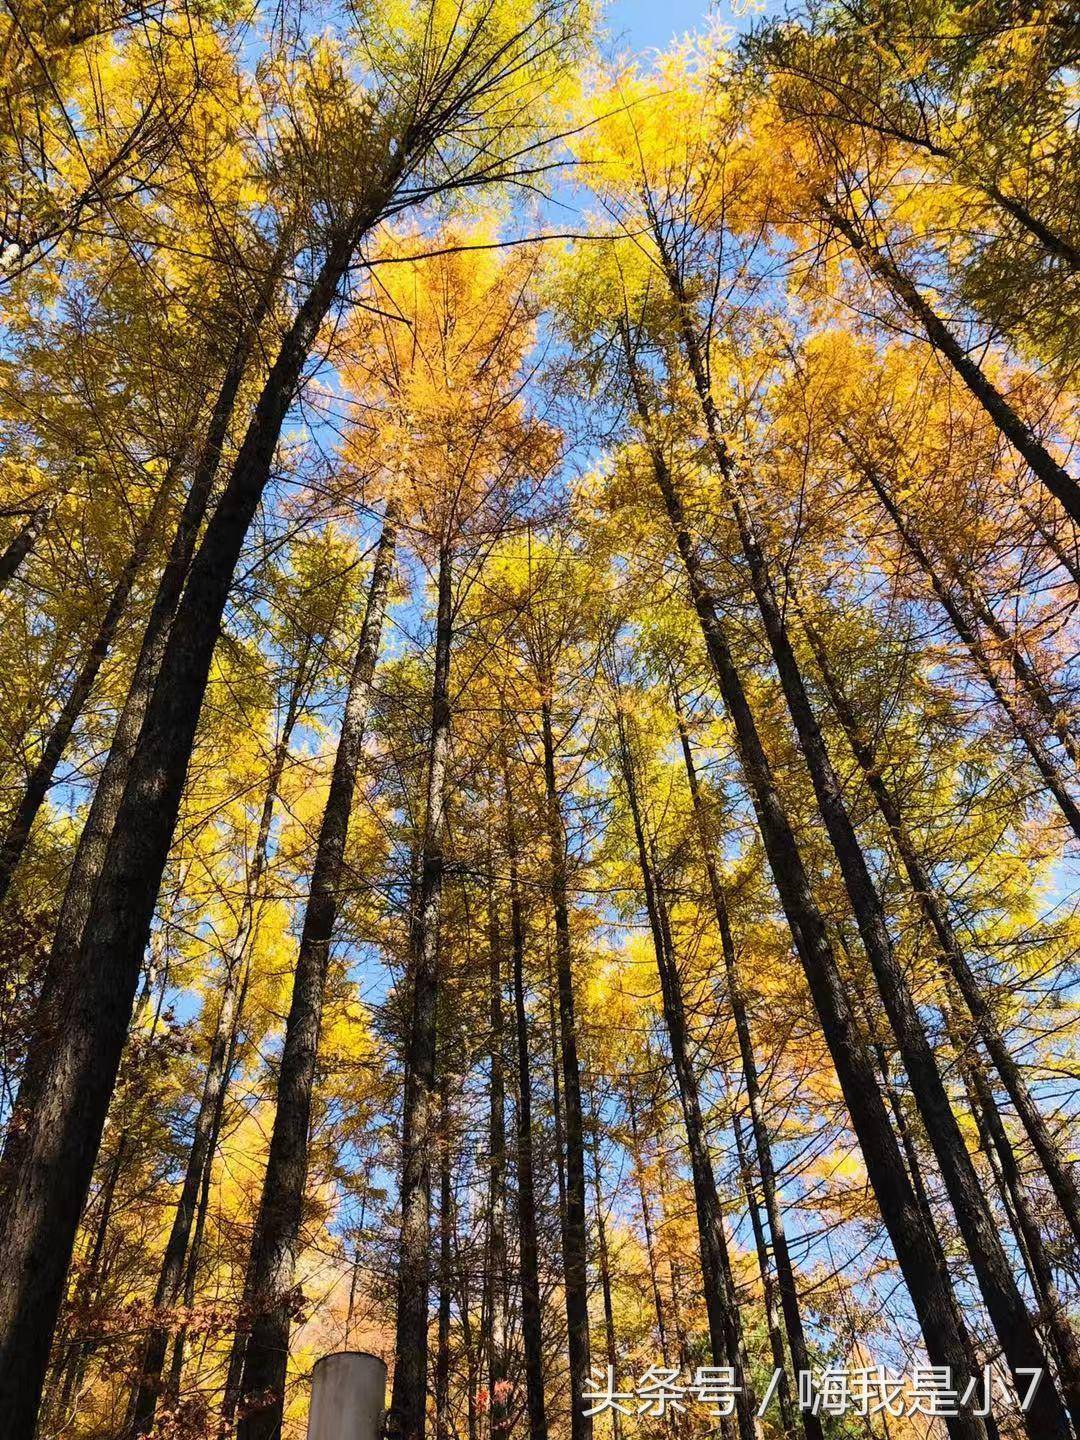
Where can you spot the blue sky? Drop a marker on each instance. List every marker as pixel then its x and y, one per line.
pixel 642 24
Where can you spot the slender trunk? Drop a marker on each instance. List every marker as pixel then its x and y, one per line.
pixel 603 1255
pixel 935 910
pixel 928 1282
pixel 556 1096
pixel 472 1367
pixel 191 1269
pixel 1070 563
pixel 1027 1227
pixel 965 628
pixel 768 1290
pixel 218 1069
pixel 1027 677
pixel 408 1400
pixel 646 1220
pixel 496 1247
pixel 84 1348
pixel 41 776
pixel 109 791
pixel 446 1220
pixel 574 1241
pixel 785 1271
pixel 100 976
pixel 275 1242
pixel 531 1316
pixel 1012 1323
pixel 23 541
pixel 725 1334
pixel 903 289
pixel 675 1284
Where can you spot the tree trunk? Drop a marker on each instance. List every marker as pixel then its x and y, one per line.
pixel 1070 563
pixel 882 267
pixel 275 1242
pixel 928 1282
pixel 24 540
pixel 725 1331
pixel 646 1220
pixel 218 1069
pixel 446 1221
pixel 935 910
pixel 785 1271
pixel 99 979
pixel 575 1259
pixel 768 1290
pixel 1012 1323
pixel 41 776
pixel 109 791
pixel 965 628
pixel 531 1314
pixel 1026 1224
pixel 496 1246
pixel 406 1419
pixel 604 1258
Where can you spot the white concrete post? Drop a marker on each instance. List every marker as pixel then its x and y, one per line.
pixel 348 1397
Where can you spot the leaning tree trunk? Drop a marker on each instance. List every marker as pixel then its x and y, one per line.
pixel 1024 671
pixel 1024 1221
pixel 271 1268
pixel 785 1271
pixel 575 1260
pixel 41 776
pixel 965 628
pixel 531 1313
pixel 218 1068
pixel 721 1307
pixel 928 1281
pixel 904 290
pixel 49 1017
pixel 25 538
pixel 64 1131
pixel 408 1401
pixel 935 910
pixel 1013 1324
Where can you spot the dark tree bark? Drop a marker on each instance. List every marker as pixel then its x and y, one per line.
pixel 446 1223
pixel 603 1256
pixel 928 1282
pixel 575 1259
pixel 23 541
pixel 966 629
pixel 276 1238
pixel 646 1220
pixel 41 776
pixel 495 1265
pixel 785 1271
pixel 1012 1322
pixel 1024 1221
pixel 1069 562
pixel 64 1130
pixel 219 1064
pixel 406 1419
pixel 935 910
pixel 882 267
pixel 721 1306
pixel 531 1315
pixel 768 1289
pixel 99 823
